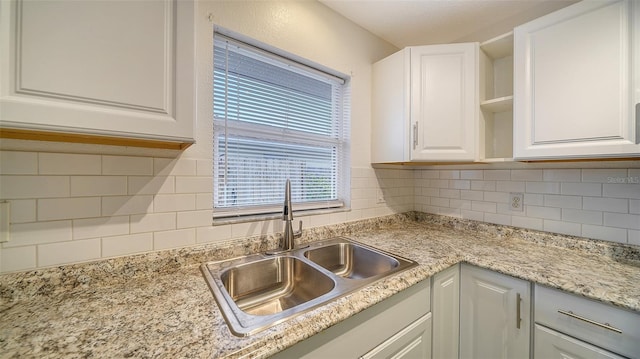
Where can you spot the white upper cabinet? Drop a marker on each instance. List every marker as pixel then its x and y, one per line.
pixel 120 69
pixel 577 83
pixel 425 104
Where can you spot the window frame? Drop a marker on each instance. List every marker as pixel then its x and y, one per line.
pixel 342 142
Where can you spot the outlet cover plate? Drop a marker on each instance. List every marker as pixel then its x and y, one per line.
pixel 516 202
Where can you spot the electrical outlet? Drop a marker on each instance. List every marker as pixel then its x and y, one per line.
pixel 380 196
pixel 516 202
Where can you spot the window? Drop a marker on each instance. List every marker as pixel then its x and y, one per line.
pixel 274 119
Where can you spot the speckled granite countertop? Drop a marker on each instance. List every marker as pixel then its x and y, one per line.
pixel 159 305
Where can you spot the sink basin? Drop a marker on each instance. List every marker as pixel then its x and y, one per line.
pixel 272 285
pixel 352 261
pixel 258 291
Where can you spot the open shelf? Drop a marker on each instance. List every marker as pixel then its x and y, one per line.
pixel 496 99
pixel 499 104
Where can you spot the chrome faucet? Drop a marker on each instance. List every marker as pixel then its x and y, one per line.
pixel 289 236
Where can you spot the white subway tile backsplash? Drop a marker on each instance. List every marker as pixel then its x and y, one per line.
pixel 23 210
pixel 68 252
pixel 100 227
pixel 439 183
pixel 18 259
pixel 501 175
pixel 123 205
pixel 481 206
pixel 471 195
pixel 440 202
pixel 620 220
pixel 582 216
pixel 213 234
pixel 605 204
pixel 460 184
pixel 25 234
pixel 526 175
pixel 497 218
pixel 527 222
pixel 174 239
pixel 561 175
pixel 543 187
pixel 151 222
pixel 483 185
pixel 472 174
pixel 605 233
pixel 543 212
pixel 510 186
pixel 560 201
pixel 194 219
pixel 449 193
pixel 69 164
pixel 119 205
pixel 204 201
pixel 34 187
pixel 204 168
pixel 128 244
pixel 126 165
pixel 621 190
pixel 68 208
pixel 499 197
pixel 194 184
pixel 137 185
pixel 18 163
pixel 85 186
pixel 450 174
pixel 533 199
pixel 175 167
pixel 581 189
pixel 602 175
pixel 472 215
pixel 573 229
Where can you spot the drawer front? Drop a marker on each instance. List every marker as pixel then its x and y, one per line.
pixel 600 324
pixel 550 344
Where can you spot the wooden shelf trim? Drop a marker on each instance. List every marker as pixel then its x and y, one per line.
pixel 37 135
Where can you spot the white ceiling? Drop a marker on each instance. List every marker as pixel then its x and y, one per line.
pixel 423 22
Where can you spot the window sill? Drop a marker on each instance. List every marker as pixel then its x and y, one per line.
pixel 271 216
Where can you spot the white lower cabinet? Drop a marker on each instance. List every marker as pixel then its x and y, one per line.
pixel 398 327
pixel 591 323
pixel 445 308
pixel 550 344
pixel 494 315
pixel 413 341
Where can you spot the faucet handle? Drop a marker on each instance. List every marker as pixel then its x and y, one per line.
pixel 298 233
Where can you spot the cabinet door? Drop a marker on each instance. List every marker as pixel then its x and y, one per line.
pixel 444 102
pixel 110 68
pixel 550 344
pixel 413 341
pixel 445 308
pixel 576 82
pixel 495 312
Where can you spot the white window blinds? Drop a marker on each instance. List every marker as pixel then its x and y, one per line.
pixel 275 119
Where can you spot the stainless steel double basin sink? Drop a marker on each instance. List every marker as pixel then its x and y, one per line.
pixel 258 291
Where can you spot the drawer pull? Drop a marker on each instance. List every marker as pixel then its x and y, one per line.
pixel 518 318
pixel 605 325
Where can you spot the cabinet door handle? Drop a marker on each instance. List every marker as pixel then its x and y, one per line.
pixel 415 135
pixel 518 318
pixel 605 325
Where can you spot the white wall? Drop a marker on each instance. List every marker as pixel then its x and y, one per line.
pixel 73 203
